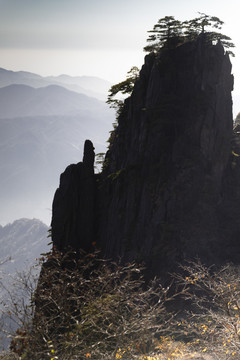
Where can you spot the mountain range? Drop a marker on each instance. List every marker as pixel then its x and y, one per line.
pixel 88 85
pixel 42 130
pixel 18 100
pixel 24 238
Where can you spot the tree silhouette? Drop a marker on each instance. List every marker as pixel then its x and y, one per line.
pixel 124 87
pixel 165 33
pixel 169 33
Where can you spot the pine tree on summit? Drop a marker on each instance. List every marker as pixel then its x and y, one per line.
pixel 165 33
pixel 169 32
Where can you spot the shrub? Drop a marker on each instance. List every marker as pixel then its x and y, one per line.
pixel 87 307
pixel 213 324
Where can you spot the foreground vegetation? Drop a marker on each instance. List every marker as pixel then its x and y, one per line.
pixel 86 307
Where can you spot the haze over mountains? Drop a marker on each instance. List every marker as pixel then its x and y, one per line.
pixel 21 243
pixel 43 126
pixel 88 85
pixel 24 238
pixel 18 100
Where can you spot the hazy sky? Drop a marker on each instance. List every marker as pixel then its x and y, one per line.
pixel 95 37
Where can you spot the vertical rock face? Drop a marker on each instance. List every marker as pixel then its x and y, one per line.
pixel 73 204
pixel 165 181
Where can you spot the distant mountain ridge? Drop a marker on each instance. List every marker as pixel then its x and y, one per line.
pixel 18 100
pixel 22 241
pixel 42 130
pixel 87 85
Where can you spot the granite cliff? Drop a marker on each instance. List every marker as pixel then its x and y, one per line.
pixel 170 187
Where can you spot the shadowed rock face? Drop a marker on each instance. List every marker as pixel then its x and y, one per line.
pixel 73 204
pixel 167 184
pixel 171 151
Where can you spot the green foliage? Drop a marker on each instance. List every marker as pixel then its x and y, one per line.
pixel 165 33
pixel 198 25
pixel 124 87
pixel 169 33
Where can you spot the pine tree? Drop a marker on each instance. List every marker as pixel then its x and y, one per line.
pixel 169 33
pixel 166 33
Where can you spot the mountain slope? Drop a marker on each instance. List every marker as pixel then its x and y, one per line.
pixel 41 131
pixel 88 85
pixel 21 243
pixel 22 100
pixel 34 151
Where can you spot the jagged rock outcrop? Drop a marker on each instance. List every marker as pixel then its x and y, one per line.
pixel 74 203
pixel 166 187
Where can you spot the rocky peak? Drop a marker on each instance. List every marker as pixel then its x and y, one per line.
pixel 88 155
pixel 74 203
pixel 166 178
